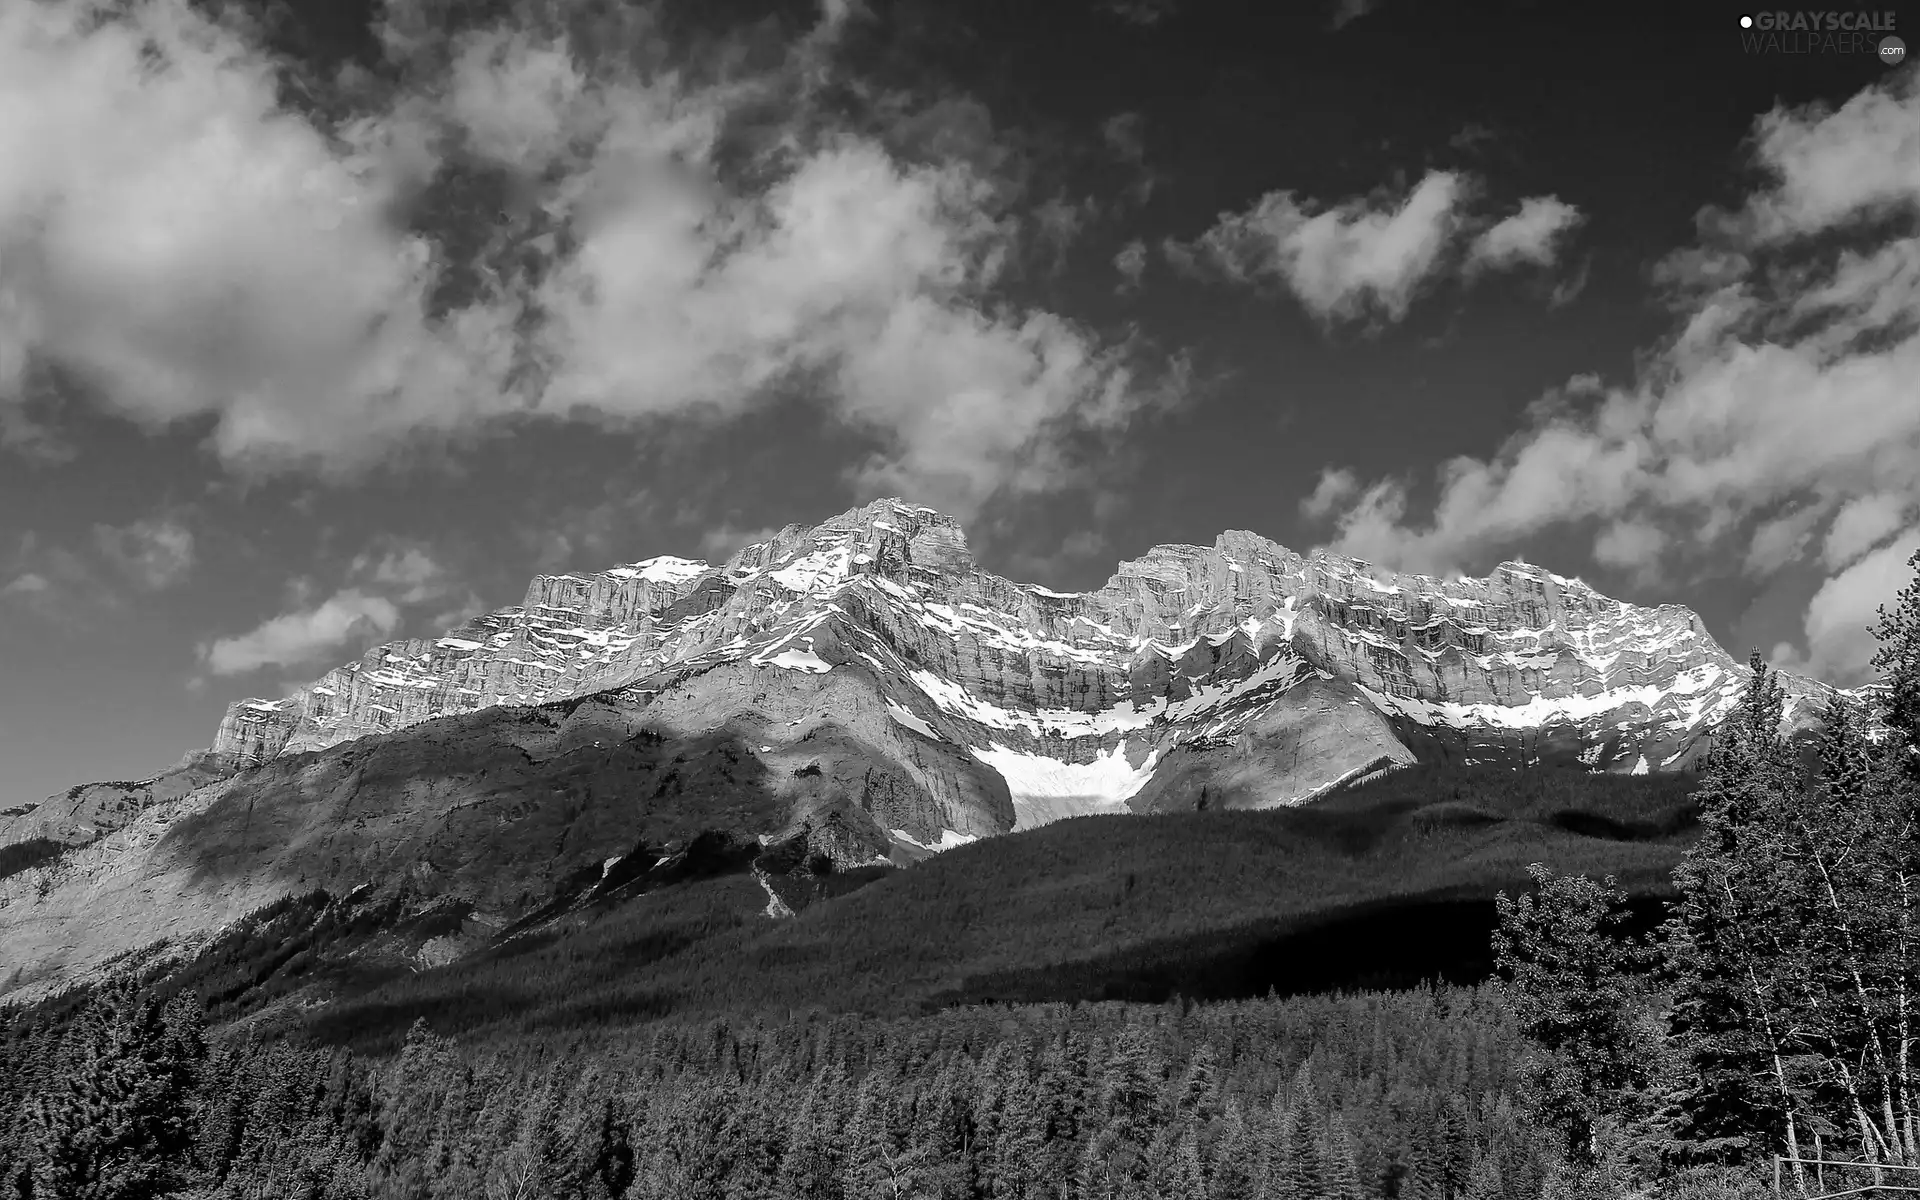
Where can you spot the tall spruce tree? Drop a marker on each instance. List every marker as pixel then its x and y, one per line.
pixel 1341 1179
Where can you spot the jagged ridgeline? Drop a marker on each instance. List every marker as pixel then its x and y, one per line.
pixel 860 694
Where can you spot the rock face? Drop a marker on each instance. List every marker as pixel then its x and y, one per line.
pixel 863 689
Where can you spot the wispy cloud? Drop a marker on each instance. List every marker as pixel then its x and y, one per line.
pixel 1334 488
pixel 27 583
pixel 1131 262
pixel 1123 134
pixel 1345 12
pixel 385 586
pixel 1368 258
pixel 724 541
pixel 304 636
pixel 1864 523
pixel 154 552
pixel 1370 254
pixel 1532 235
pixel 75 583
pixel 1142 13
pixel 408 574
pixel 1471 137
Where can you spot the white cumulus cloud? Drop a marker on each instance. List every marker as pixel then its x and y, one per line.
pixel 1369 253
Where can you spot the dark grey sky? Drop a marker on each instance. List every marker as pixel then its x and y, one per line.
pixel 332 324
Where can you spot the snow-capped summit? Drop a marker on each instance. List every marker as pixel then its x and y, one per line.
pixel 1242 669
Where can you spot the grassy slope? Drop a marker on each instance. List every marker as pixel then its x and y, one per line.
pixel 1385 884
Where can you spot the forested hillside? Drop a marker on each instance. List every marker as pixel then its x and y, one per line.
pixel 1385 887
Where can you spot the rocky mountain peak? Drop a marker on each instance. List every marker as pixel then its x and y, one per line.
pixel 862 685
pixel 1517 648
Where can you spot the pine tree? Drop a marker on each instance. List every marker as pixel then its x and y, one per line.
pixel 1453 1148
pixel 1197 1097
pixel 1232 1170
pixel 1019 1152
pixel 1301 1175
pixel 1130 1084
pixel 1177 1173
pixel 870 1159
pixel 1483 1181
pixel 1094 1176
pixel 1846 755
pixel 1341 1173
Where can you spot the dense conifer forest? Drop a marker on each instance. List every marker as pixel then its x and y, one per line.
pixel 1721 970
pixel 1410 1094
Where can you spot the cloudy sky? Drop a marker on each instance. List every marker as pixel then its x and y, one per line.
pixel 327 322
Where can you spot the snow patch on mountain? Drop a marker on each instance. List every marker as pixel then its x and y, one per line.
pixel 797 658
pixel 1046 789
pixel 948 840
pixel 809 573
pixel 1703 695
pixel 664 569
pixel 903 717
pixel 1314 793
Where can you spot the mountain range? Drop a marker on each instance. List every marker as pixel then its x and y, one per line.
pixel 847 695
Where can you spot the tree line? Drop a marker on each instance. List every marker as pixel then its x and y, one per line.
pixel 1414 1095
